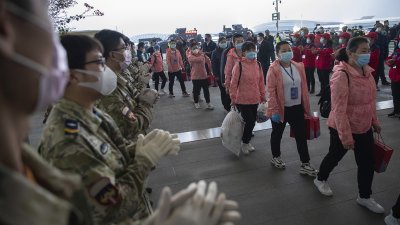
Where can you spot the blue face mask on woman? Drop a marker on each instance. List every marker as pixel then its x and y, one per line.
pixel 223 45
pixel 238 46
pixel 251 55
pixel 363 59
pixel 286 57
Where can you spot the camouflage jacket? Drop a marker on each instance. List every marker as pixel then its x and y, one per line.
pixel 136 70
pixel 41 199
pixel 90 144
pixel 120 103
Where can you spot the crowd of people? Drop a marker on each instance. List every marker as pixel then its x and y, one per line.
pixel 96 149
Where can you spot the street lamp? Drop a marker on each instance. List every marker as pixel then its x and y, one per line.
pixel 276 4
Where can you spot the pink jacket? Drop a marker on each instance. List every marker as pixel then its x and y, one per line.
pixel 353 102
pixel 231 59
pixel 275 89
pixel 250 89
pixel 198 66
pixel 174 60
pixel 156 62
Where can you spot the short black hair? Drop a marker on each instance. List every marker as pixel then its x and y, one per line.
pixel 261 35
pixel 248 45
pixel 140 45
pixel 221 39
pixel 236 36
pixel 77 46
pixel 208 35
pixel 109 39
pixel 193 44
pixel 278 46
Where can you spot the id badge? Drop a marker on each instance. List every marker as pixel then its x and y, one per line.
pixel 294 92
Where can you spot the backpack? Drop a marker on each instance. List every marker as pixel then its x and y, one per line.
pixel 240 70
pixel 325 99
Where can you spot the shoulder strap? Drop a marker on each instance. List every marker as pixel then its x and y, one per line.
pixel 347 75
pixel 240 72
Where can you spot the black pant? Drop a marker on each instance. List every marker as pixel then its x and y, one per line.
pixel 225 99
pixel 396 208
pixel 323 76
pixel 396 96
pixel 178 75
pixel 294 115
pixel 157 76
pixel 310 78
pixel 249 114
pixel 265 68
pixel 197 86
pixel 364 154
pixel 381 71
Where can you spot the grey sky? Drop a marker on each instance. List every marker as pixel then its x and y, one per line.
pixel 162 16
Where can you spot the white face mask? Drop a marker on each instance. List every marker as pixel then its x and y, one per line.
pixel 106 83
pixel 52 81
pixel 127 59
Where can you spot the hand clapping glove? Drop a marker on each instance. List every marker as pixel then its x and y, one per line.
pixel 149 96
pixel 276 118
pixel 201 209
pixel 157 144
pixel 174 150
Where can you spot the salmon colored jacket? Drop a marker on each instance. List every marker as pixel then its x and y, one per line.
pixel 250 88
pixel 156 62
pixel 174 60
pixel 352 102
pixel 275 90
pixel 231 59
pixel 198 65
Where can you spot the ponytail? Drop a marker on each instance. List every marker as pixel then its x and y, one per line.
pixel 341 55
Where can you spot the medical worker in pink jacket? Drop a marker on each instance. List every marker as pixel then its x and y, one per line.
pixel 288 102
pixel 352 120
pixel 247 90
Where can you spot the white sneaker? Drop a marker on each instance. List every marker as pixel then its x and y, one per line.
pixel 278 163
pixel 391 220
pixel 370 204
pixel 252 149
pixel 162 92
pixel 323 187
pixel 197 105
pixel 246 148
pixel 307 169
pixel 210 106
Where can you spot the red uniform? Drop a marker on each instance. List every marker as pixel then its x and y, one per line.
pixel 309 57
pixel 374 59
pixel 324 59
pixel 394 72
pixel 317 40
pixel 296 54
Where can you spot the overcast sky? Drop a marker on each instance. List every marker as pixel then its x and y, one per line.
pixel 134 17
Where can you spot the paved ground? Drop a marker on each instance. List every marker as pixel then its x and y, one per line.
pixel 267 196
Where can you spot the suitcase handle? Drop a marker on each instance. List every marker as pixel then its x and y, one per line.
pixel 379 138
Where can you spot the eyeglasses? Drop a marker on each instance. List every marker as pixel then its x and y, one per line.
pixel 126 47
pixel 101 62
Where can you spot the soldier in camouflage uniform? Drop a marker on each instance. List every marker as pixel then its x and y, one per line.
pixel 81 138
pixel 132 116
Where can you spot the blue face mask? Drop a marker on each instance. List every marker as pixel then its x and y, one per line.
pixel 172 45
pixel 286 57
pixel 363 59
pixel 223 45
pixel 239 46
pixel 251 55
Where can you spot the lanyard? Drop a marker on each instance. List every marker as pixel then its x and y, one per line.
pixel 291 72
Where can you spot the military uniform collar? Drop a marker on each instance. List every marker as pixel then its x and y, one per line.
pixel 76 112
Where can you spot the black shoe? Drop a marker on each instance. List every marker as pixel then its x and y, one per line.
pixel 385 83
pixel 393 114
pixel 149 190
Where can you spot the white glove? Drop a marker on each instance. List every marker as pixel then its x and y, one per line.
pixel 157 144
pixel 149 96
pixel 173 151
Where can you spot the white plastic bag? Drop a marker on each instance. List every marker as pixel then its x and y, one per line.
pixel 232 131
pixel 261 117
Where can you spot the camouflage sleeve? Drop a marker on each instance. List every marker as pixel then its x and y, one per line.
pixel 112 196
pixel 144 116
